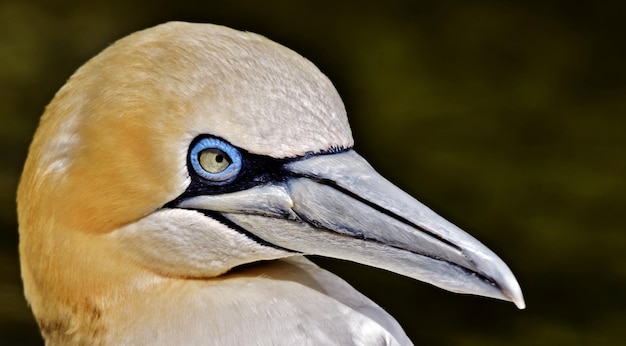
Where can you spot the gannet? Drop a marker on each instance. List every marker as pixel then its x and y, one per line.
pixel 176 182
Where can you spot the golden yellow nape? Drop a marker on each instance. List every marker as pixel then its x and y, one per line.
pixel 178 178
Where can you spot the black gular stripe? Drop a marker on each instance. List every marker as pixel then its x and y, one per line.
pixel 225 221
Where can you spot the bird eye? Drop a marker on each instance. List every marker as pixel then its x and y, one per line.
pixel 215 160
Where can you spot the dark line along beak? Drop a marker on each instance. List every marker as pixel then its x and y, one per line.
pixel 337 205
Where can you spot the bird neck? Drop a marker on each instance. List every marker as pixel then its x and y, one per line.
pixel 73 279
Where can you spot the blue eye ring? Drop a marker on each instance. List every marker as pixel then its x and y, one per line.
pixel 232 155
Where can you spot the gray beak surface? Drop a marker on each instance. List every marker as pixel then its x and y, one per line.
pixel 337 205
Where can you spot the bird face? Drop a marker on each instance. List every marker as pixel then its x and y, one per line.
pixel 187 149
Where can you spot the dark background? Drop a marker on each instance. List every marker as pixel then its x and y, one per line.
pixel 506 117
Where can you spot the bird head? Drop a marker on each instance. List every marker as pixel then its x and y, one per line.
pixel 185 150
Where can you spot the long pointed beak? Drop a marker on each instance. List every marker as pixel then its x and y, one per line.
pixel 338 206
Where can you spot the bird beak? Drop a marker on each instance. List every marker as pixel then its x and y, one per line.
pixel 337 205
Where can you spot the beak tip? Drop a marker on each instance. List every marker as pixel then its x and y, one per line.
pixel 513 292
pixel 518 300
pixel 505 281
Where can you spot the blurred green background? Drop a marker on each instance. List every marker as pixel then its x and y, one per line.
pixel 506 117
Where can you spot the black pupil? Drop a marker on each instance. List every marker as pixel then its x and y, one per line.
pixel 219 158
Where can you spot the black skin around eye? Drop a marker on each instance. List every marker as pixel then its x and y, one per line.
pixel 255 170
